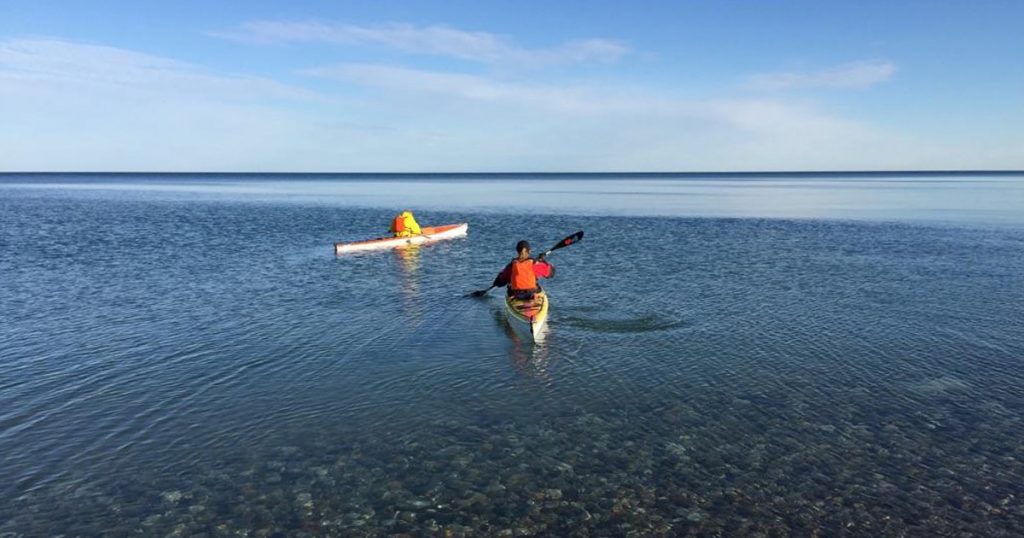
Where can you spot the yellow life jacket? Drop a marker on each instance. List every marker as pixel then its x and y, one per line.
pixel 411 226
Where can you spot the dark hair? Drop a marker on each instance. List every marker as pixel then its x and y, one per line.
pixel 522 245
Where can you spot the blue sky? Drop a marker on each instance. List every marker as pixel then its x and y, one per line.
pixel 511 86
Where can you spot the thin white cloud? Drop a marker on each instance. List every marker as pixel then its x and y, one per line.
pixel 483 47
pixel 78 106
pixel 75 106
pixel 855 75
pixel 88 66
pixel 668 127
pixel 745 114
pixel 454 85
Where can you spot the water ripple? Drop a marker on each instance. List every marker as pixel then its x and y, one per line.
pixel 856 378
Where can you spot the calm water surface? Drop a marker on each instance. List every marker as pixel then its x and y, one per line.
pixel 787 356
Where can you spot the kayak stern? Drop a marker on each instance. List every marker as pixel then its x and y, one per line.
pixel 528 317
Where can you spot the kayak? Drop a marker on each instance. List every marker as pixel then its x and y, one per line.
pixel 429 234
pixel 528 317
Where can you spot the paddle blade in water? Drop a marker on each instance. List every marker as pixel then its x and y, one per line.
pixel 478 293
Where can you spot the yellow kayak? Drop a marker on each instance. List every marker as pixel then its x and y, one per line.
pixel 528 317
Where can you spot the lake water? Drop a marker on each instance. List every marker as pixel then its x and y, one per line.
pixel 726 354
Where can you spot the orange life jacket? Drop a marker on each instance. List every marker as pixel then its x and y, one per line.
pixel 398 225
pixel 523 278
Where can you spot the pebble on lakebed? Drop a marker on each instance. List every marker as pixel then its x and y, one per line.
pixel 581 475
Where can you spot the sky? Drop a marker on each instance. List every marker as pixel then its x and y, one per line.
pixel 523 86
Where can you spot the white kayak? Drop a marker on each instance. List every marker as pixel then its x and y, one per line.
pixel 528 317
pixel 429 234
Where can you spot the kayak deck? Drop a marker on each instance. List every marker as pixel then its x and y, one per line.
pixel 527 317
pixel 429 234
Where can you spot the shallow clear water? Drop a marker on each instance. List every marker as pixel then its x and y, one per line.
pixel 187 356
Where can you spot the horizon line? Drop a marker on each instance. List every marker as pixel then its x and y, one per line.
pixel 534 173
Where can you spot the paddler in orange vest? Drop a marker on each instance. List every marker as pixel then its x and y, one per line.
pixel 521 274
pixel 405 225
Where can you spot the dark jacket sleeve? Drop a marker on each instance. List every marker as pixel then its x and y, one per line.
pixel 503 277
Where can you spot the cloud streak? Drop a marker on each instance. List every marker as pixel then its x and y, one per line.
pixel 591 100
pixel 854 76
pixel 78 106
pixel 771 129
pixel 478 88
pixel 86 67
pixel 480 47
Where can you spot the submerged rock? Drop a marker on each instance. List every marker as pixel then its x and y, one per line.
pixel 172 496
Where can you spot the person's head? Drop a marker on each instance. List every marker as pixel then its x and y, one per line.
pixel 523 249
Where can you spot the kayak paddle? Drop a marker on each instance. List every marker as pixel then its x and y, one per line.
pixel 479 293
pixel 572 239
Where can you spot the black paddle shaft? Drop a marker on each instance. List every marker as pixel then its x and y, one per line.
pixel 571 240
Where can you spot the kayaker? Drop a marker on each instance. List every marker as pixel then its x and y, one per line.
pixel 521 274
pixel 404 225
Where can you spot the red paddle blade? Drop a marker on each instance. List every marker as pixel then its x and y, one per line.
pixel 574 238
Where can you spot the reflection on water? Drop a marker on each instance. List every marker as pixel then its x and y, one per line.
pixel 410 257
pixel 533 361
pixel 737 377
pixel 530 359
